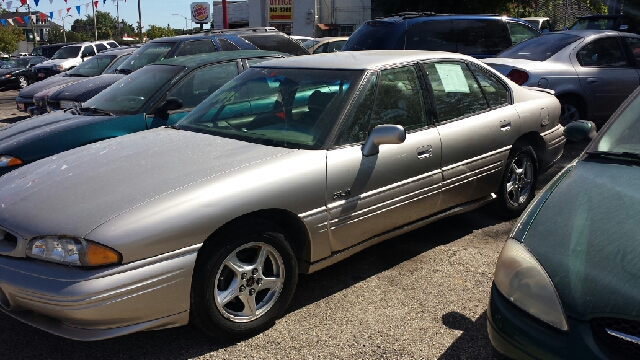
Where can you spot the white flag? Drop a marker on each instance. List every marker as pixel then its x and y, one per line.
pixel 9 6
pixel 86 7
pixel 10 21
pixel 60 13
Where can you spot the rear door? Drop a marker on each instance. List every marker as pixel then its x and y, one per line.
pixel 367 196
pixel 605 75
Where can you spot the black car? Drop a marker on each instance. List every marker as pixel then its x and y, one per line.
pixel 105 62
pixel 228 40
pixel 480 36
pixel 17 72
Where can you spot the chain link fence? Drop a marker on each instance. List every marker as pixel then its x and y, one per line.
pixel 563 13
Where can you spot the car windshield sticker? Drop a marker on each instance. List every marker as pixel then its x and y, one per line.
pixel 452 78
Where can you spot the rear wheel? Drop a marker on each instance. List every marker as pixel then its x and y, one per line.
pixel 517 188
pixel 23 82
pixel 243 280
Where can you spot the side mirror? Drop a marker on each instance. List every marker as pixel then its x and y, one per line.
pixel 580 130
pixel 172 103
pixel 383 134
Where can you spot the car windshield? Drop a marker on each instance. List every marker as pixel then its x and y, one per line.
pixel 293 108
pixel 67 52
pixel 16 63
pixel 309 43
pixel 539 48
pixel 149 53
pixel 131 93
pixel 92 67
pixel 623 134
pixel 593 24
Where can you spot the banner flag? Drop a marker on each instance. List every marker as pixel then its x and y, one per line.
pixel 78 8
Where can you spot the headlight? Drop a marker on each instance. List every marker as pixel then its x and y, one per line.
pixel 8 76
pixel 522 280
pixel 71 251
pixel 70 105
pixel 8 160
pixel 58 67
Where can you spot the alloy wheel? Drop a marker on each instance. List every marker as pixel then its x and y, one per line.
pixel 249 282
pixel 23 82
pixel 519 180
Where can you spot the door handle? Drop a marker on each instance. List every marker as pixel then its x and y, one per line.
pixel 424 151
pixel 592 80
pixel 505 125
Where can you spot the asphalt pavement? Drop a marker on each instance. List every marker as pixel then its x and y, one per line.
pixel 422 295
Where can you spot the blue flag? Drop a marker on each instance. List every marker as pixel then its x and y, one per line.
pixel 51 15
pixel 3 22
pixel 26 20
pixel 36 1
pixel 78 8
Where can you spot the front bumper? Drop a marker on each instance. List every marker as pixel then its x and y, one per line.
pixel 515 334
pixel 9 82
pixel 94 304
pixel 23 103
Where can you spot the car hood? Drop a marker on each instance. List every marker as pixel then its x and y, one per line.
pixel 587 239
pixel 54 62
pixel 86 89
pixel 35 88
pixel 74 192
pixel 9 71
pixel 21 131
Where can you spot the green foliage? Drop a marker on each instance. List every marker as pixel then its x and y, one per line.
pixel 10 36
pixel 105 26
pixel 56 34
pixel 155 32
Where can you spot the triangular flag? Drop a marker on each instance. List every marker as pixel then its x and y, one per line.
pixel 50 1
pixel 4 23
pixel 20 20
pixel 36 1
pixel 9 4
pixel 23 2
pixel 33 18
pixel 95 3
pixel 51 15
pixel 68 9
pixel 78 8
pixel 65 1
pixel 60 13
pixel 10 20
pixel 104 2
pixel 42 17
pixel 26 20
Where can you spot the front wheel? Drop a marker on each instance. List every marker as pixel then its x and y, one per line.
pixel 518 185
pixel 243 280
pixel 23 82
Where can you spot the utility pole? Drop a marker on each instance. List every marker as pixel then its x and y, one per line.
pixel 118 25
pixel 95 29
pixel 140 23
pixel 225 17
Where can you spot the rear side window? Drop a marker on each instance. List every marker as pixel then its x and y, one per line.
pixel 196 47
pixel 605 52
pixel 481 37
pixel 88 51
pixel 113 44
pixel 101 47
pixel 520 32
pixel 495 91
pixel 276 42
pixel 429 35
pixel 455 91
pixel 226 45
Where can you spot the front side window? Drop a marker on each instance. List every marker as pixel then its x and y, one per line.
pixel 88 51
pixel 202 82
pixel 634 46
pixel 92 67
pixel 129 94
pixel 294 108
pixel 67 52
pixel 605 52
pixel 101 47
pixel 399 99
pixel 147 54
pixel 456 92
pixel 623 133
pixel 196 47
pixel 357 124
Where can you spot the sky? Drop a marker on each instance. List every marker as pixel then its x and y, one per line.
pixel 154 12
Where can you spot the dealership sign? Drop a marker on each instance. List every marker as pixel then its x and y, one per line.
pixel 200 12
pixel 281 10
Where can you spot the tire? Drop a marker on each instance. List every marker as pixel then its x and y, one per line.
pixel 571 110
pixel 23 82
pixel 518 184
pixel 243 280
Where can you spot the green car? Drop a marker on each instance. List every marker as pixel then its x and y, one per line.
pixel 156 95
pixel 567 282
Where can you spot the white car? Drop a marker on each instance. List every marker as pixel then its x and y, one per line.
pixel 69 57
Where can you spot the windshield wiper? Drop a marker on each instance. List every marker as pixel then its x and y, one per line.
pixel 95 111
pixel 625 155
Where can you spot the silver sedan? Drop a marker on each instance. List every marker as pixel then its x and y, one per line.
pixel 290 167
pixel 591 72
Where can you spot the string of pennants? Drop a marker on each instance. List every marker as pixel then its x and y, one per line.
pixel 25 19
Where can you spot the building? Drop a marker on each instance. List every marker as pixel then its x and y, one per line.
pixel 40 28
pixel 315 18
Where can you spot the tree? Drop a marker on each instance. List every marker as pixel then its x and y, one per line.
pixel 105 25
pixel 155 32
pixel 56 34
pixel 10 36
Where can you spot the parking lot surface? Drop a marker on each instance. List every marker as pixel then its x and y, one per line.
pixel 422 295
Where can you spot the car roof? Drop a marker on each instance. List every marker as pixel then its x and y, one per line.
pixel 192 61
pixel 359 60
pixel 589 33
pixel 118 50
pixel 419 17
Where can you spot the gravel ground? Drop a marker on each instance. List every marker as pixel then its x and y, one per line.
pixel 422 295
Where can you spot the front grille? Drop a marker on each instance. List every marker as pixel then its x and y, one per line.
pixel 53 105
pixel 8 237
pixel 622 348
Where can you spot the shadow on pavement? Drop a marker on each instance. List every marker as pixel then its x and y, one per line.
pixel 473 342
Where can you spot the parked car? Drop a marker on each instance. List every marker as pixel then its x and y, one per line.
pixel 539 22
pixel 26 97
pixel 74 95
pixel 616 22
pixel 48 50
pixel 477 35
pixel 293 165
pixel 160 95
pixel 34 98
pixel 325 44
pixel 566 281
pixel 69 57
pixel 17 72
pixel 228 40
pixel 591 72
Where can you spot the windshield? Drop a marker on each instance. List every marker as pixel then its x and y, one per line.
pixel 294 108
pixel 131 93
pixel 67 52
pixel 149 53
pixel 111 69
pixel 623 133
pixel 373 35
pixel 309 43
pixel 539 48
pixel 93 66
pixel 16 63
